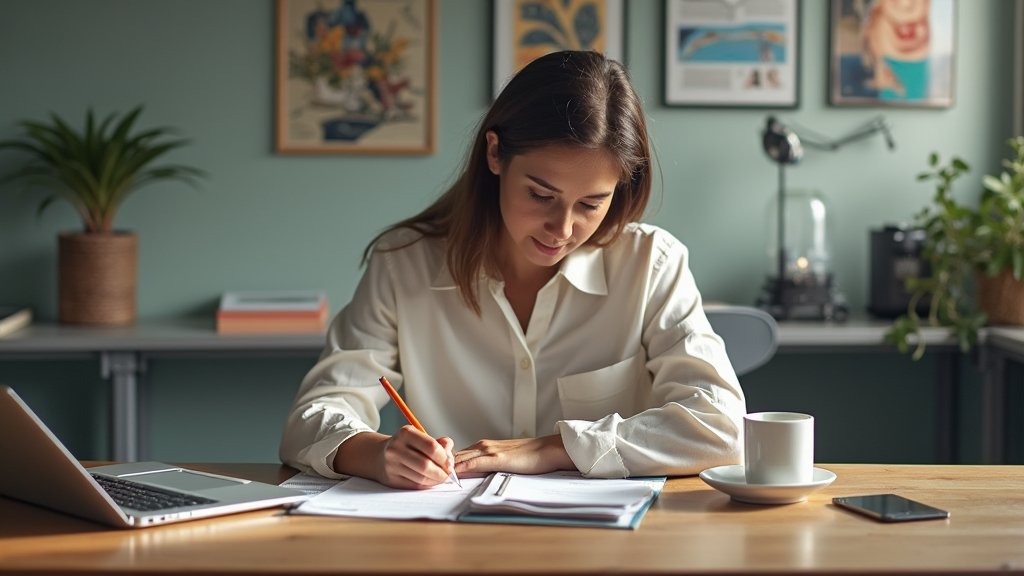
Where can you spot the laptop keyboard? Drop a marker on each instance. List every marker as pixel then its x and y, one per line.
pixel 146 498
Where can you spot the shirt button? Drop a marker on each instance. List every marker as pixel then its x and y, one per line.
pixel 524 363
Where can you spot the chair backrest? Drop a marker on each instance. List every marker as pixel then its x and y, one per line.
pixel 751 335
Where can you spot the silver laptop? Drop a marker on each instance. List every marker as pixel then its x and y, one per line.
pixel 40 470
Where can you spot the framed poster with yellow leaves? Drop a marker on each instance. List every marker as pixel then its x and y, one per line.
pixel 527 29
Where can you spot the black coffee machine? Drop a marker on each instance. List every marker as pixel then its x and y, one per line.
pixel 895 257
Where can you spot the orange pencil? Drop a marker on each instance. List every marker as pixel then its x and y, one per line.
pixel 411 417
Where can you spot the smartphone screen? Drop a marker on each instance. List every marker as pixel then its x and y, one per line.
pixel 889 507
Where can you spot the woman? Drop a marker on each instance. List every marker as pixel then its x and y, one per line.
pixel 526 314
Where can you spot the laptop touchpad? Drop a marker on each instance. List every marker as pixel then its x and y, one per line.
pixel 184 480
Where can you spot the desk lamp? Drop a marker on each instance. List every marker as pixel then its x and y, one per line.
pixel 802 287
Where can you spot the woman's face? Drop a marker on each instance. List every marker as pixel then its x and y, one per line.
pixel 552 201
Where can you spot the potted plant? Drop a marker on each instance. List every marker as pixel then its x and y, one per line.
pixel 95 170
pixel 976 255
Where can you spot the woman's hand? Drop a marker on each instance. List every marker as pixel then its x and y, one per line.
pixel 410 459
pixel 521 456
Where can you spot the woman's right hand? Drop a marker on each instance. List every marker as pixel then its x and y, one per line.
pixel 412 459
pixel 409 460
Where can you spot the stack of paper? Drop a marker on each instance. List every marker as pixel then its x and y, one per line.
pixel 559 498
pixel 287 311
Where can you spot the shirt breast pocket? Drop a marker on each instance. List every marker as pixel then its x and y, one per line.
pixel 623 387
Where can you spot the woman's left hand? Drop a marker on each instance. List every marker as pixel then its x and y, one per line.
pixel 520 456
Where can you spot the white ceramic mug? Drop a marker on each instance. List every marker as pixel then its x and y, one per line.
pixel 778 448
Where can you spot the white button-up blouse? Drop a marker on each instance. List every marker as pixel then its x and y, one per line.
pixel 618 358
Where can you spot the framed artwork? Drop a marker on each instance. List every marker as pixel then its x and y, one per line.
pixel 732 54
pixel 356 76
pixel 886 53
pixel 528 29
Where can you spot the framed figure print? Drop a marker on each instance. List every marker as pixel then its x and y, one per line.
pixel 732 54
pixel 356 76
pixel 892 53
pixel 525 30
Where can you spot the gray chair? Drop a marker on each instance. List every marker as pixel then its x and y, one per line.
pixel 751 335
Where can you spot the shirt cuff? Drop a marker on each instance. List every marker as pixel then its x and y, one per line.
pixel 320 456
pixel 591 446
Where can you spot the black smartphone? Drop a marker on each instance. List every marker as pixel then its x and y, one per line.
pixel 889 507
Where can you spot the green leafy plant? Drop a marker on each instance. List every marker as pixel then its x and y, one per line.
pixel 97 168
pixel 961 243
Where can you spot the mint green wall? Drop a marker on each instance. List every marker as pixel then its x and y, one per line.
pixel 269 221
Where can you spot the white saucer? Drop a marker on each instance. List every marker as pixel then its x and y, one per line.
pixel 733 481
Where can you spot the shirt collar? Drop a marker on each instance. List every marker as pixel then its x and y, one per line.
pixel 583 268
pixel 443 279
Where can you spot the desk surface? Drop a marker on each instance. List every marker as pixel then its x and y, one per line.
pixel 158 335
pixel 1008 339
pixel 197 334
pixel 850 335
pixel 690 529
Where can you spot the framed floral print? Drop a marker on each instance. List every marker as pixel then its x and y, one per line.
pixel 528 29
pixel 888 53
pixel 356 76
pixel 732 54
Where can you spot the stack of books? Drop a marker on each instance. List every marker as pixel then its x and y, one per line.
pixel 289 311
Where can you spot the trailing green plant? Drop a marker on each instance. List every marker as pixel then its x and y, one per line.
pixel 97 168
pixel 962 242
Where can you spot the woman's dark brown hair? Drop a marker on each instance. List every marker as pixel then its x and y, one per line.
pixel 570 98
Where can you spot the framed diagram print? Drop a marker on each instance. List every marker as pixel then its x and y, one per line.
pixel 886 53
pixel 525 30
pixel 732 54
pixel 356 76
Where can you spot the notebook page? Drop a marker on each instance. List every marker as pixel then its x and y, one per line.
pixel 364 498
pixel 559 490
pixel 309 484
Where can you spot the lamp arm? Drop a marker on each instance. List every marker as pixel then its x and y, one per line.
pixel 874 126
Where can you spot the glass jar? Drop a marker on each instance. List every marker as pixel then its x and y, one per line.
pixel 805 258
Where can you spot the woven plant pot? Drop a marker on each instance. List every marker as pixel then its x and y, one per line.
pixel 1002 298
pixel 96 278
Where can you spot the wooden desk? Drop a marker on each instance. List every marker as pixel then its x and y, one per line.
pixel 691 529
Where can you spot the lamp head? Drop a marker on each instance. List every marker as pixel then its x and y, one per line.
pixel 780 143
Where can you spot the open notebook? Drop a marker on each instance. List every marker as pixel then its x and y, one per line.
pixel 558 498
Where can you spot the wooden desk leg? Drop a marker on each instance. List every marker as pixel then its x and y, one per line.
pixel 947 380
pixel 122 369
